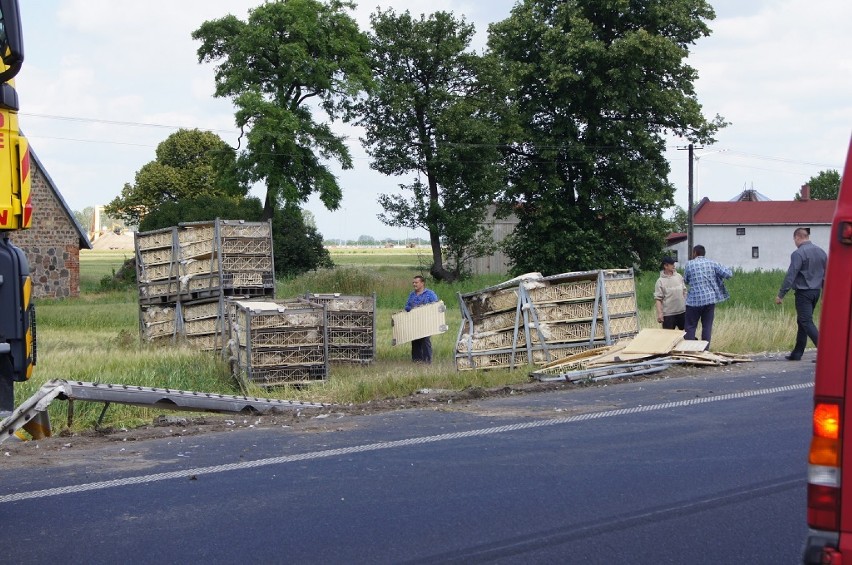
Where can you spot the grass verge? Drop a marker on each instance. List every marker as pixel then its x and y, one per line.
pixel 95 337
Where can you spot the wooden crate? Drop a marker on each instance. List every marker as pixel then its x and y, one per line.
pixel 564 292
pixel 246 263
pixel 157 323
pixel 270 377
pixel 276 339
pixel 344 303
pixel 156 272
pixel 163 238
pixel 241 229
pixel 502 360
pixel 351 321
pixel 230 246
pixel 203 266
pixel 266 336
pixel 205 342
pixel 202 326
pixel 350 354
pixel 197 310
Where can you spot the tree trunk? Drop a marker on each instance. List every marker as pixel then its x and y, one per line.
pixel 268 207
pixel 437 271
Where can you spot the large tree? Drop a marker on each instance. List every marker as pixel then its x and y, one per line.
pixel 287 61
pixel 431 114
pixel 189 164
pixel 825 185
pixel 597 84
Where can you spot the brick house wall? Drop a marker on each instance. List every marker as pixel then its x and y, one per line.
pixel 53 243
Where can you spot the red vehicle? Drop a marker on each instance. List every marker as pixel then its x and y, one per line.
pixel 829 462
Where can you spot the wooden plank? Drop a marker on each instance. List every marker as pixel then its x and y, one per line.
pixel 654 341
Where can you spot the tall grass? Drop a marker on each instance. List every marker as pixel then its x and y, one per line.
pixel 95 337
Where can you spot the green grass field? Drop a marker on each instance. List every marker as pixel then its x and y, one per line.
pixel 95 337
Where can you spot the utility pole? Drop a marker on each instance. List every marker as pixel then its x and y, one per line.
pixel 689 207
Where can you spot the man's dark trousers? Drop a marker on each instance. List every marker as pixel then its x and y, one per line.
pixel 806 301
pixel 704 313
pixel 421 350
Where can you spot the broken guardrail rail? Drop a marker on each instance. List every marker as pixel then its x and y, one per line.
pixel 33 417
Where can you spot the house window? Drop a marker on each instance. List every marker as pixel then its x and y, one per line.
pixel 673 254
pixel 740 231
pixel 755 253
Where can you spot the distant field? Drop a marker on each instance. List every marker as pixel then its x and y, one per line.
pixel 96 264
pixel 416 259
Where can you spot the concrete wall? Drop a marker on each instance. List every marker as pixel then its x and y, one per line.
pixel 774 245
pixel 52 244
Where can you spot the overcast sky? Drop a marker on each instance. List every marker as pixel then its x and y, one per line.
pixel 105 81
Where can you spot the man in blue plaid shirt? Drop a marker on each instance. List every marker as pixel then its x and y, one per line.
pixel 706 280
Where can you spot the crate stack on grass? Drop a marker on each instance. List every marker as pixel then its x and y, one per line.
pixel 157 273
pixel 192 267
pixel 537 320
pixel 277 342
pixel 351 324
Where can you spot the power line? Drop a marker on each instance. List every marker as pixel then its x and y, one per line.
pixel 126 123
pixel 117 122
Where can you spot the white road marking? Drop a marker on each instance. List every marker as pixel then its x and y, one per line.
pixel 185 473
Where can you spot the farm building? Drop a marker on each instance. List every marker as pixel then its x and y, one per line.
pixel 498 262
pixel 754 234
pixel 53 243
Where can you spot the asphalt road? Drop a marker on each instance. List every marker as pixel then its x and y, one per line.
pixel 704 468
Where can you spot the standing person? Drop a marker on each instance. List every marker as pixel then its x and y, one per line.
pixel 706 280
pixel 421 349
pixel 805 275
pixel 670 297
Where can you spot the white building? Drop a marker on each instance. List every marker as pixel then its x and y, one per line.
pixel 756 235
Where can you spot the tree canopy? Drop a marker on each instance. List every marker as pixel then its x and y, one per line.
pixel 431 114
pixel 825 185
pixel 190 163
pixel 288 60
pixel 596 85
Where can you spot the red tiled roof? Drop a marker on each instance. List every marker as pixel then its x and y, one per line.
pixel 675 237
pixel 790 212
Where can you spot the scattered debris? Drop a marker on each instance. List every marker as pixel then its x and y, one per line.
pixel 651 351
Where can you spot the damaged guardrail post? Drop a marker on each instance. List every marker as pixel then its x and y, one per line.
pixel 32 414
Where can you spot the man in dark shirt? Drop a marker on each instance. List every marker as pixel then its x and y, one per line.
pixel 805 277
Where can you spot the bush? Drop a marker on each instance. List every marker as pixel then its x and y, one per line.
pixel 298 247
pixel 122 279
pixel 203 209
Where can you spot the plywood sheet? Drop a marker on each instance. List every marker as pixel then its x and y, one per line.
pixel 691 346
pixel 423 321
pixel 654 341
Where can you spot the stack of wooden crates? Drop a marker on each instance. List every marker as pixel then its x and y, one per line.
pixel 351 326
pixel 277 342
pixel 185 272
pixel 536 320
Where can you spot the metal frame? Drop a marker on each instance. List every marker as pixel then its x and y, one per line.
pixel 32 413
pixel 323 297
pixel 526 313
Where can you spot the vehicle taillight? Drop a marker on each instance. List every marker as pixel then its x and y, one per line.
pixel 824 467
pixel 844 233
